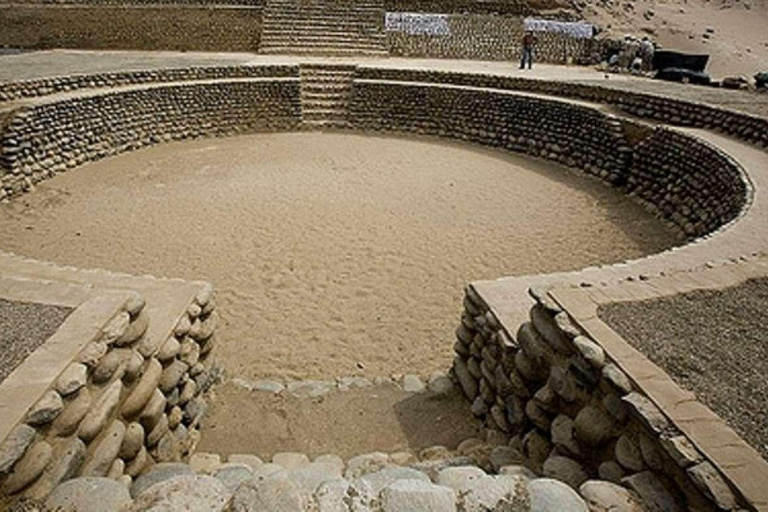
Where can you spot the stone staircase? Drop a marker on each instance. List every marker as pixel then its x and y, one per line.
pixel 324 27
pixel 325 92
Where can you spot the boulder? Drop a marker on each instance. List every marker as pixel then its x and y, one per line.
pixel 381 479
pixel 549 495
pixel 28 469
pixel 566 470
pixel 191 493
pixel 105 452
pixel 159 473
pixel 276 493
pixel 290 460
pixel 233 474
pixel 14 446
pixel 417 496
pixel 608 497
pixel 88 494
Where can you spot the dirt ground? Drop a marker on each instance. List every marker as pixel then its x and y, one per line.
pixel 332 254
pixel 712 343
pixel 345 423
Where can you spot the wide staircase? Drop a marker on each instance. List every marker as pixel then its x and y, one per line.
pixel 325 92
pixel 324 27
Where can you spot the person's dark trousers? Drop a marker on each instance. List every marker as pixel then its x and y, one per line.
pixel 527 56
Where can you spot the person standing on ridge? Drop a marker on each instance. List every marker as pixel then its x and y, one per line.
pixel 529 42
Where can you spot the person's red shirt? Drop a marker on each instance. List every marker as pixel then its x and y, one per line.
pixel 529 40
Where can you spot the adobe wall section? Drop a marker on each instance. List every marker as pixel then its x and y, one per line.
pixel 131 27
pixel 693 185
pixel 43 140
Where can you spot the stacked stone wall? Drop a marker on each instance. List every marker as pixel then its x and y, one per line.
pixel 126 401
pixel 43 140
pixel 752 129
pixel 574 413
pixel 692 185
pixel 686 181
pixel 512 8
pixel 45 86
pixel 568 134
pixel 131 28
pixel 489 37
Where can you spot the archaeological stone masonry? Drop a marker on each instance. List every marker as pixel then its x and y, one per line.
pixel 477 30
pixel 43 140
pixel 574 413
pixel 131 396
pixel 124 389
pixel 691 184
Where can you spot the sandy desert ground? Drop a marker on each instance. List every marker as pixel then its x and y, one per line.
pixel 332 254
pixel 733 32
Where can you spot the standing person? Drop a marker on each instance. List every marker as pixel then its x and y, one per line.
pixel 529 42
pixel 647 50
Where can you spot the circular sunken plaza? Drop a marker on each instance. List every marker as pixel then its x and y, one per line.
pixel 264 282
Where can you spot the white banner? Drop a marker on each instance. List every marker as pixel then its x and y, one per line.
pixel 578 29
pixel 417 23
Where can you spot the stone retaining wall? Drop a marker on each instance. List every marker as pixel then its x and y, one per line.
pixel 126 400
pixel 694 186
pixel 45 86
pixel 131 27
pixel 489 37
pixel 753 129
pixel 43 140
pixel 576 414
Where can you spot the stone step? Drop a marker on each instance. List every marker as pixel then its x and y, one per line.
pixel 321 8
pixel 324 115
pixel 313 105
pixel 334 125
pixel 314 94
pixel 319 38
pixel 322 72
pixel 319 91
pixel 289 22
pixel 322 50
pixel 337 30
pixel 326 16
pixel 325 5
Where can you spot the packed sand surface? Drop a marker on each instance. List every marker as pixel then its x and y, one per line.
pixel 346 423
pixel 332 254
